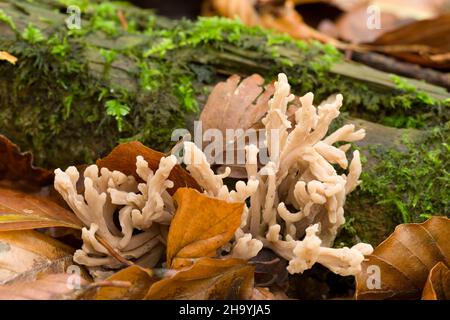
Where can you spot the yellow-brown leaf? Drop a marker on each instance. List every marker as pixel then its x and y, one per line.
pixel 141 279
pixel 207 279
pixel 26 254
pixel 201 225
pixel 20 211
pixel 8 57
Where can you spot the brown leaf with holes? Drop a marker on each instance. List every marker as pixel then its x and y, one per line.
pixel 207 279
pixel 18 166
pixel 60 286
pixel 21 211
pixel 8 57
pixel 437 286
pixel 201 225
pixel 238 104
pixel 399 266
pixel 123 158
pixel 140 279
pixel 26 254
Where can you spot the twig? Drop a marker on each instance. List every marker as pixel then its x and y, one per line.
pixel 407 69
pixel 122 19
pixel 113 251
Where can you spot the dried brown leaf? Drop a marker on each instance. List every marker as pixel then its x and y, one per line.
pixel 8 57
pixel 261 293
pixel 437 286
pixel 46 287
pixel 20 211
pixel 419 42
pixel 279 15
pixel 26 254
pixel 404 260
pixel 123 159
pixel 236 103
pixel 207 279
pixel 140 279
pixel 201 225
pixel 18 166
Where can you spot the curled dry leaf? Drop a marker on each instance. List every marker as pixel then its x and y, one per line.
pixel 279 15
pixel 437 286
pixel 20 211
pixel 18 166
pixel 201 225
pixel 8 57
pixel 399 266
pixel 140 280
pixel 207 279
pixel 123 158
pixel 270 268
pixel 26 254
pixel 59 286
pixel 425 42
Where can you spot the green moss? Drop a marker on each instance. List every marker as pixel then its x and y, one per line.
pixel 403 85
pixel 32 34
pixel 401 187
pixel 412 183
pixel 117 110
pixel 7 19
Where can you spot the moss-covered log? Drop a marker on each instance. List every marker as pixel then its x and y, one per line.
pixel 74 94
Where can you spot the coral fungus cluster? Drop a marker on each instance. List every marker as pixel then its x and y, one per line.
pixel 294 203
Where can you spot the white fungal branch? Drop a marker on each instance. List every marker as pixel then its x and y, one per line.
pixel 301 176
pixel 140 206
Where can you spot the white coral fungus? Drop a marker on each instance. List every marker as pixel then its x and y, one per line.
pixel 300 176
pixel 143 206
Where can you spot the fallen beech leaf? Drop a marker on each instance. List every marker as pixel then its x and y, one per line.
pixel 279 15
pixel 238 104
pixel 47 287
pixel 201 225
pixel 207 279
pixel 419 42
pixel 8 57
pixel 26 254
pixel 260 293
pixel 15 165
pixel 437 286
pixel 123 159
pixel 141 279
pixel 399 266
pixel 20 211
pixel 352 26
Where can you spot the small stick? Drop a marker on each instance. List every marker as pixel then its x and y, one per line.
pixel 122 19
pixel 113 252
